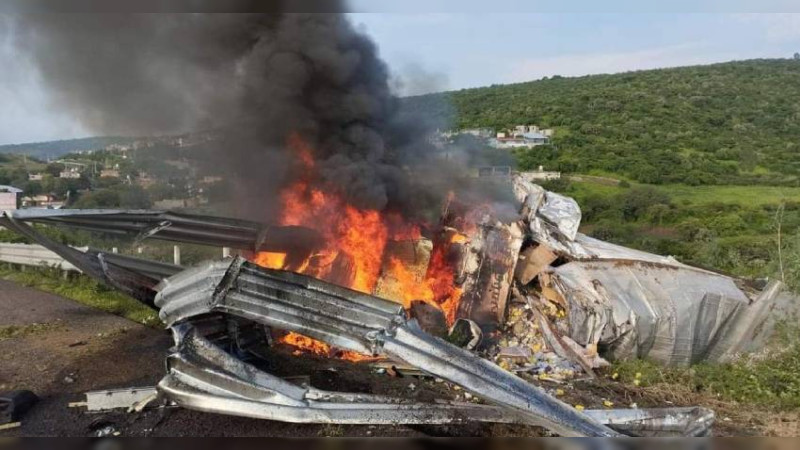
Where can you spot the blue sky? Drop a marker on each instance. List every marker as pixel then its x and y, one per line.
pixel 438 48
pixel 467 50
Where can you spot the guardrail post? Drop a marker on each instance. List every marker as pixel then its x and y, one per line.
pixel 226 252
pixel 176 255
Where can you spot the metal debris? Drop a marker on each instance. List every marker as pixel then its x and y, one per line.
pixel 229 305
pixel 636 304
pixel 117 398
pixel 348 320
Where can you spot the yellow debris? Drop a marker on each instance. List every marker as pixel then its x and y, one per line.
pixel 579 407
pixel 615 376
pixel 637 382
pixel 638 374
pixel 559 392
pixel 608 404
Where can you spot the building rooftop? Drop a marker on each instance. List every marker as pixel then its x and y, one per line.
pixel 11 189
pixel 534 135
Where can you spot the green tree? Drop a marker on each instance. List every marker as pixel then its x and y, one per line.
pixel 54 169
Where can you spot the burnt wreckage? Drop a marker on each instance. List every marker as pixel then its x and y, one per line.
pixel 222 310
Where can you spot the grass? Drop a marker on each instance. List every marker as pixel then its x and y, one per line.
pixel 769 380
pixel 701 195
pixel 739 195
pixel 85 291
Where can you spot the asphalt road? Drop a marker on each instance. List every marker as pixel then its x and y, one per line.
pixel 68 349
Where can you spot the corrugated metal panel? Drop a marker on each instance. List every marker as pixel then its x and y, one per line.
pixel 358 322
pixel 640 309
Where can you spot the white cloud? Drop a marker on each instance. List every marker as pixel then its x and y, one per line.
pixel 776 27
pixel 613 62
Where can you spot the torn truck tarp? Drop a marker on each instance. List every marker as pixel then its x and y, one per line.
pixel 638 304
pixel 357 322
pixel 553 220
pixel 675 316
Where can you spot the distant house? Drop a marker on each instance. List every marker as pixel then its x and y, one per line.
pixel 535 138
pixel 42 201
pixel 478 132
pixel 528 139
pixel 71 170
pixel 35 176
pixel 9 198
pixel 109 173
pixel 118 148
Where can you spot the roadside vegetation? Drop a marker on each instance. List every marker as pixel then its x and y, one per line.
pixel 749 231
pixel 768 380
pixel 83 290
pixel 731 123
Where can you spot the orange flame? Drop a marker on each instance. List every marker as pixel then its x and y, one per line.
pixel 305 344
pixel 355 241
pixel 438 288
pixel 270 260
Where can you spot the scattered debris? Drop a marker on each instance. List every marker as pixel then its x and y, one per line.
pixel 106 431
pixel 569 295
pixel 466 334
pixel 117 398
pixel 9 426
pixel 636 304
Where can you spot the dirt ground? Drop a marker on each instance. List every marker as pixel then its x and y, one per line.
pixel 64 349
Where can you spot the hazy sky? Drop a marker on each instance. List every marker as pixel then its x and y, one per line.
pixel 445 50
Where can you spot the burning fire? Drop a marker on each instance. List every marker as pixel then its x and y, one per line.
pixel 305 344
pixel 355 241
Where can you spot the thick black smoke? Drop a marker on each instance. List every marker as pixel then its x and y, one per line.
pixel 256 77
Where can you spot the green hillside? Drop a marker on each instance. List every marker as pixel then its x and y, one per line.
pixel 55 149
pixel 731 123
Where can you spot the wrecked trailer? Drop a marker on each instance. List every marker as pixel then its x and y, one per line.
pixel 234 288
pixel 632 304
pixel 238 302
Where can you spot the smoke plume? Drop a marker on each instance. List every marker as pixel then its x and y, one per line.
pixel 257 77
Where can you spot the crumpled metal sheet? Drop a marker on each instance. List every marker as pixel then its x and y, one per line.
pixel 359 322
pixel 675 316
pixel 552 218
pixel 638 304
pixel 588 248
pixel 201 376
pixel 179 227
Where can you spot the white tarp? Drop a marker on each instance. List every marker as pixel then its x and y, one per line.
pixel 675 316
pixel 637 304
